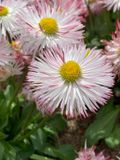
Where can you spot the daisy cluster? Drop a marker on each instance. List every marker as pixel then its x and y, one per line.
pixel 44 40
pixel 47 36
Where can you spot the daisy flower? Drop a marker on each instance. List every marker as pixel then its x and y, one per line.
pixel 111 4
pixel 20 56
pixel 89 154
pixel 9 10
pixel 10 69
pixel 74 79
pixel 9 66
pixel 112 49
pixel 83 10
pixel 50 25
pixel 5 52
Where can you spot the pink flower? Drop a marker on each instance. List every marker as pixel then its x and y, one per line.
pixel 89 154
pixel 50 25
pixel 9 66
pixel 9 10
pixel 112 49
pixel 20 56
pixel 74 79
pixel 111 4
pixel 83 10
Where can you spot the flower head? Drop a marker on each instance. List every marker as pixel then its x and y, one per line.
pixel 50 25
pixel 111 4
pixel 9 66
pixel 83 10
pixel 5 52
pixel 74 79
pixel 20 56
pixel 9 10
pixel 89 154
pixel 10 69
pixel 112 49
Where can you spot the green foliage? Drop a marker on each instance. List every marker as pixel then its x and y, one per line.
pixel 25 133
pixel 113 140
pixel 103 125
pixel 98 28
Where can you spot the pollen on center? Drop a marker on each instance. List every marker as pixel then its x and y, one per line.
pixel 49 26
pixel 3 11
pixel 70 71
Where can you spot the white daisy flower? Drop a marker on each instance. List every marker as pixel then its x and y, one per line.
pixel 9 66
pixel 112 49
pixel 75 80
pixel 9 10
pixel 5 52
pixel 10 69
pixel 111 4
pixel 50 25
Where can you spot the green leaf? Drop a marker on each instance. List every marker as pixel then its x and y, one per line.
pixel 65 152
pixel 102 125
pixel 57 123
pixel 106 109
pixel 1 151
pixel 3 117
pixel 38 157
pixel 50 150
pixel 2 136
pixel 9 152
pixel 39 140
pixel 114 138
pixel 24 151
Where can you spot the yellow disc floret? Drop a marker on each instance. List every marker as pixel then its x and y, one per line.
pixel 3 11
pixel 49 26
pixel 70 71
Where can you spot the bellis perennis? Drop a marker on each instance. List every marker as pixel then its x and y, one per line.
pixel 9 10
pixel 111 4
pixel 89 154
pixel 9 66
pixel 50 25
pixel 74 79
pixel 112 49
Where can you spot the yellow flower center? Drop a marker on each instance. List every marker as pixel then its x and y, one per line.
pixel 49 26
pixel 3 11
pixel 15 45
pixel 70 71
